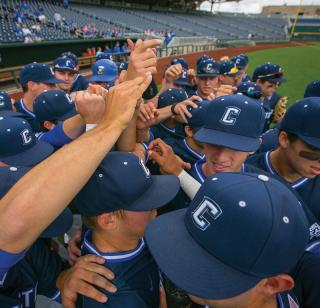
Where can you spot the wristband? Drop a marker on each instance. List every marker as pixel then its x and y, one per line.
pixel 172 109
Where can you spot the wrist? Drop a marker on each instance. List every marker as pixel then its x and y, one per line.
pixel 173 106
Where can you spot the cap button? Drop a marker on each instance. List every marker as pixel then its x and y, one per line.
pixel 263 177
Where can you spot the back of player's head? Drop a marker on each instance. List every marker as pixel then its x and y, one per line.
pixel 250 89
pixel 229 68
pixel 312 89
pixel 238 230
pixel 123 182
pixel 240 61
pixel 171 96
pixel 181 61
pixel 5 102
pixel 233 121
pixel 104 71
pixel 54 105
pixel 18 144
pixel 302 120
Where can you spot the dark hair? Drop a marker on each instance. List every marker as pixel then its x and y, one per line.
pixel 291 137
pixel 25 88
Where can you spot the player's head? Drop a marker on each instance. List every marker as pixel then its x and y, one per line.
pixel 183 80
pixel 181 61
pixel 207 76
pixel 65 69
pixel 122 196
pixel 233 244
pixel 37 77
pixel 250 89
pixel 5 102
pixel 229 73
pixel 53 106
pixel 104 72
pixel 232 129
pixel 312 89
pixel 18 144
pixel 268 76
pixel 241 62
pixel 104 56
pixel 299 138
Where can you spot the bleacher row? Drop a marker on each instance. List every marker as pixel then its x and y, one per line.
pixel 135 21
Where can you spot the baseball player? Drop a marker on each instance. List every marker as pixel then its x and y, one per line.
pixel 5 102
pixel 229 74
pixel 116 227
pixel 65 69
pixel 104 73
pixel 241 61
pixel 312 89
pixel 34 79
pixel 80 83
pixel 221 249
pixel 269 77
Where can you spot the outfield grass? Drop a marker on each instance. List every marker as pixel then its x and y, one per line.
pixel 301 65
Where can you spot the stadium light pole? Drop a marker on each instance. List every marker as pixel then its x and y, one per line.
pixel 296 19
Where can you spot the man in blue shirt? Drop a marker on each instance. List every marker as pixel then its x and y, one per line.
pixel 116 205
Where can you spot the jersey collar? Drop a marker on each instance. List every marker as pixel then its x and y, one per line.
pixel 192 151
pixel 270 168
pixel 25 109
pixel 112 257
pixel 171 130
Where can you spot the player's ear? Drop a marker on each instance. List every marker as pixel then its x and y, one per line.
pixel 188 131
pixel 107 221
pixel 283 139
pixel 273 285
pixel 49 125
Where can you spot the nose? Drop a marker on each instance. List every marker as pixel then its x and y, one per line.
pixel 219 154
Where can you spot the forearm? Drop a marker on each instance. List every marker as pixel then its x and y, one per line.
pixel 127 140
pixel 163 114
pixel 49 187
pixel 74 127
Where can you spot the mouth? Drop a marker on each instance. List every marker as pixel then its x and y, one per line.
pixel 220 167
pixel 315 171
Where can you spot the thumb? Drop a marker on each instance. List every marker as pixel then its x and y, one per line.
pixel 144 84
pixel 130 44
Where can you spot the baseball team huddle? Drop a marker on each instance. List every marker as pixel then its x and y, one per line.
pixel 232 172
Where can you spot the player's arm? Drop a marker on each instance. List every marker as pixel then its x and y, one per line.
pixel 40 196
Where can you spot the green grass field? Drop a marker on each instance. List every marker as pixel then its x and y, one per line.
pixel 301 65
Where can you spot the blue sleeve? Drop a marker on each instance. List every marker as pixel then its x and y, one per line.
pixel 55 137
pixel 7 260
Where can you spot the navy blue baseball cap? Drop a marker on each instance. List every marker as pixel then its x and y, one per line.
pixel 104 56
pixel 302 120
pixel 229 68
pixel 65 64
pixel 70 55
pixel 123 66
pixel 233 121
pixel 181 61
pixel 198 115
pixel 237 230
pixel 240 61
pixel 54 105
pixel 269 72
pixel 122 181
pixel 38 72
pixel 9 176
pixel 18 144
pixel 183 79
pixel 250 89
pixel 171 96
pixel 104 71
pixel 313 89
pixel 5 102
pixel 204 58
pixel 208 68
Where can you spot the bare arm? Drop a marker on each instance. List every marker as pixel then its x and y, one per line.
pixel 45 191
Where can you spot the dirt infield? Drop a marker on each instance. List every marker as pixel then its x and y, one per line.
pixel 217 54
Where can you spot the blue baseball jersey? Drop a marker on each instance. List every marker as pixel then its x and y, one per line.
pixel 183 150
pixel 163 132
pixel 136 277
pixel 270 140
pixel 29 115
pixel 307 189
pixel 35 273
pixel 80 83
pixel 287 299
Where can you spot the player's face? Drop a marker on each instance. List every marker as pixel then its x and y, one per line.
pixel 221 159
pixel 230 80
pixel 67 76
pixel 304 159
pixel 206 85
pixel 40 87
pixel 267 87
pixel 133 224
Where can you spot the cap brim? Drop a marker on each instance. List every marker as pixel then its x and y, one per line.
pixel 235 142
pixel 59 226
pixel 52 81
pixel 9 114
pixel 181 82
pixel 102 79
pixel 30 157
pixel 278 80
pixel 66 69
pixel 69 114
pixel 208 75
pixel 189 266
pixel 163 189
pixel 313 141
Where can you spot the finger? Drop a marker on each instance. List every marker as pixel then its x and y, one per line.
pixel 130 44
pixel 186 111
pixel 144 84
pixel 195 97
pixel 186 165
pixel 87 290
pixel 183 117
pixel 191 104
pixel 149 44
pixel 92 258
pixel 68 303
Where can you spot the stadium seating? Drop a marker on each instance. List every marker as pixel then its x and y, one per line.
pixel 125 20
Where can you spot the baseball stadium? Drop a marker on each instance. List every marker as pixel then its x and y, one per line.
pixel 160 154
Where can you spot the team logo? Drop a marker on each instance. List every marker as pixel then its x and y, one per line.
pixel 100 70
pixel 68 63
pixel 230 115
pixel 145 169
pixel 26 136
pixel 184 74
pixel 206 211
pixel 209 68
